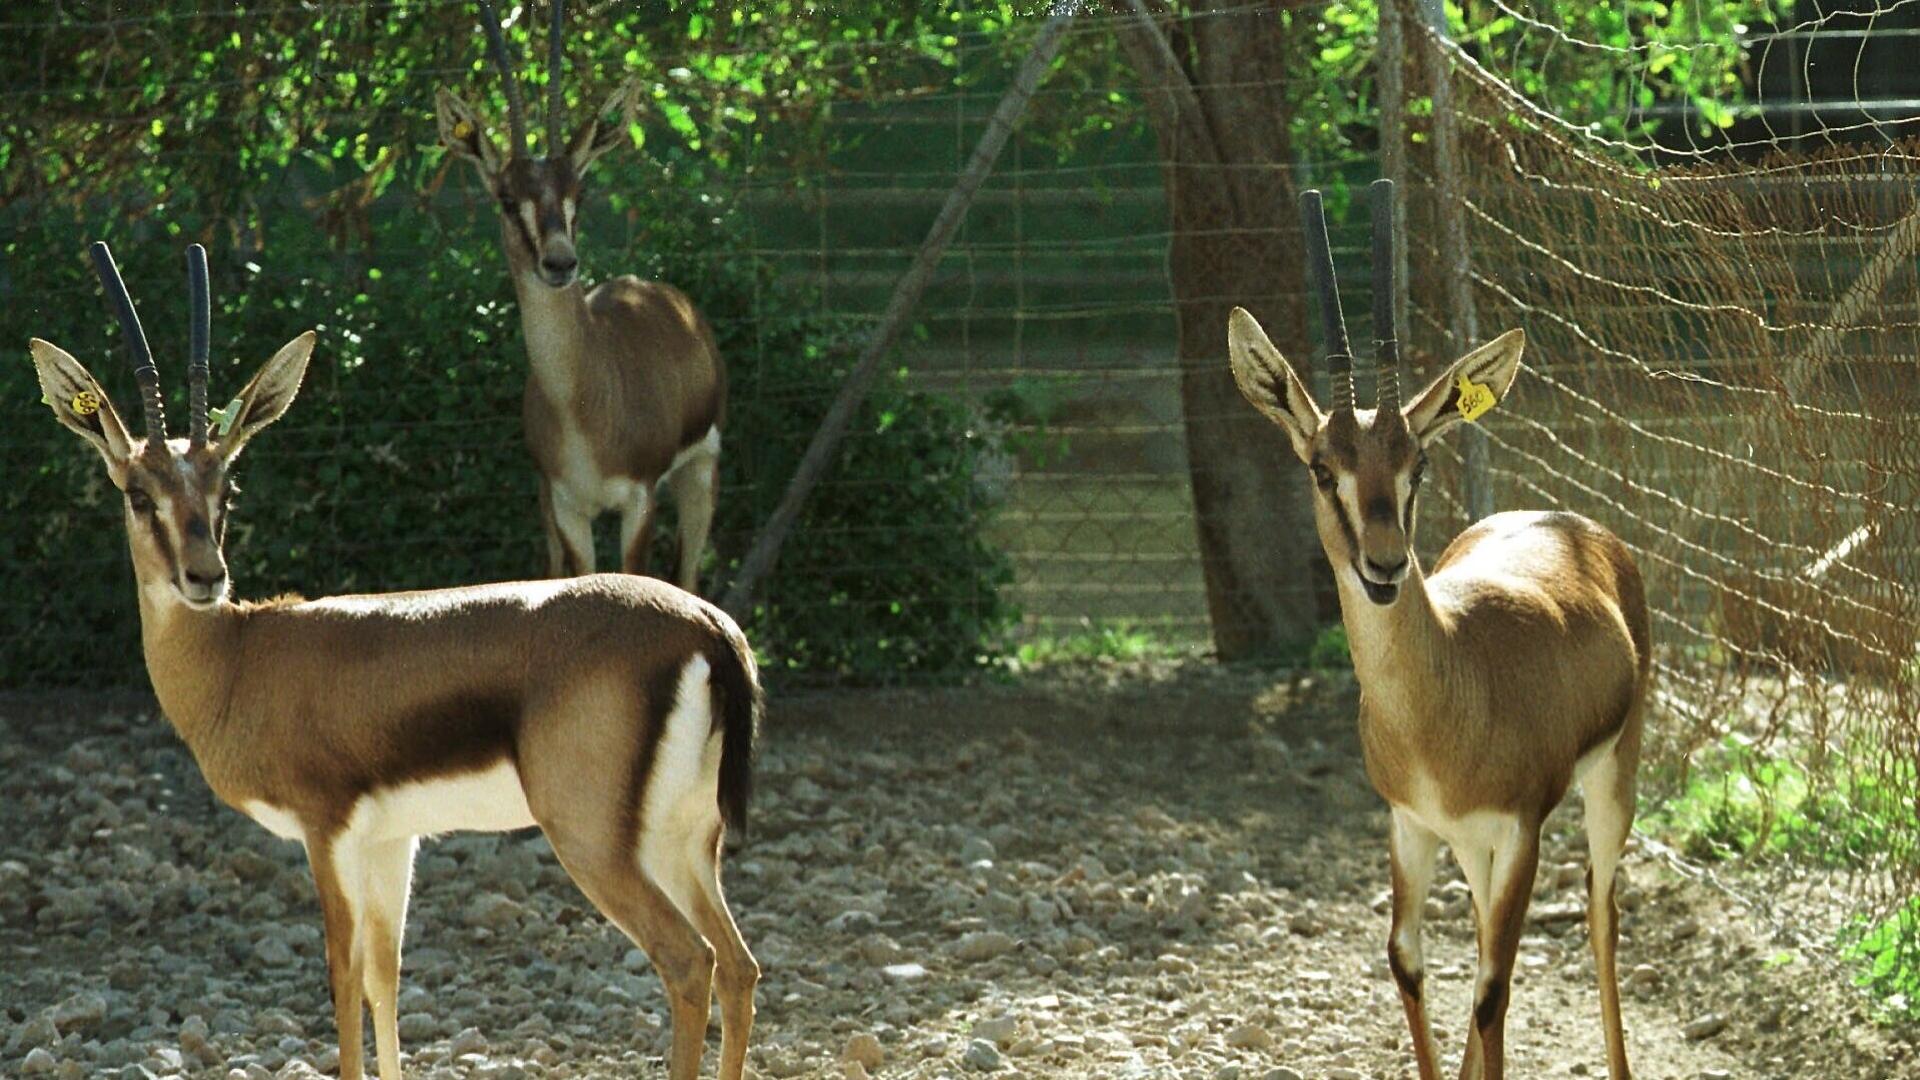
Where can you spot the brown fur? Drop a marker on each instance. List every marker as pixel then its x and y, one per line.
pixel 1482 687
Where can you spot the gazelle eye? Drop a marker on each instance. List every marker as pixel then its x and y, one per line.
pixel 1322 477
pixel 139 501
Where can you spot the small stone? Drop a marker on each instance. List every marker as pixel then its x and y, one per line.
pixel 975 848
pixel 418 1026
pixel 998 1030
pixel 853 1070
pixel 1249 1037
pixel 469 1041
pixel 1282 1072
pixel 36 1032
pixel 79 1012
pixel 493 912
pixel 854 922
pixel 981 1056
pixel 1716 1074
pixel 983 945
pixel 1305 924
pixel 904 972
pixel 864 1049
pixel 1229 1071
pixel 273 952
pixel 1343 1073
pixel 38 1060
pixel 1705 1027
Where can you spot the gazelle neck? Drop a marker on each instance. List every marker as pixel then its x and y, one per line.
pixel 552 320
pixel 1394 646
pixel 191 659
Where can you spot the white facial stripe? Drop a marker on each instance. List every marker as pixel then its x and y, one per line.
pixel 567 209
pixel 529 218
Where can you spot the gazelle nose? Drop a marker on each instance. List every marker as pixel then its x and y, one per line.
pixel 1384 573
pixel 558 265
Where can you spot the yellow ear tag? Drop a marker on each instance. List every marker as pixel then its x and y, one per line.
pixel 85 403
pixel 222 419
pixel 462 129
pixel 1474 400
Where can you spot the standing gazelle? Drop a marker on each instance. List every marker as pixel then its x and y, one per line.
pixel 617 713
pixel 626 390
pixel 1518 668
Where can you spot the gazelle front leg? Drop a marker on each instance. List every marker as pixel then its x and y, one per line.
pixel 386 877
pixel 636 530
pixel 1609 792
pixel 1502 884
pixel 696 487
pixel 1412 850
pixel 569 532
pixel 343 955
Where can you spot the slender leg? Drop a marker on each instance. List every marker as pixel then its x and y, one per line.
pixel 1609 791
pixel 1503 915
pixel 1412 849
pixel 636 904
pixel 736 972
pixel 343 958
pixel 569 532
pixel 696 488
pixel 636 532
pixel 386 873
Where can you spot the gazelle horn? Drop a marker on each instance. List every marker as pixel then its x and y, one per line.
pixel 200 312
pixel 144 372
pixel 1386 342
pixel 516 110
pixel 1313 226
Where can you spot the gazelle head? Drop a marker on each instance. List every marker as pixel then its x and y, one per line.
pixel 176 490
pixel 1366 463
pixel 538 198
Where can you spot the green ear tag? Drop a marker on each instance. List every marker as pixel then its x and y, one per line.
pixel 222 419
pixel 1474 400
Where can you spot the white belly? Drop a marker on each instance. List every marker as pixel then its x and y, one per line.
pixel 487 800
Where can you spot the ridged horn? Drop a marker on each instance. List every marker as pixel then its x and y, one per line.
pixel 556 95
pixel 516 109
pixel 200 318
pixel 1386 342
pixel 144 372
pixel 1313 228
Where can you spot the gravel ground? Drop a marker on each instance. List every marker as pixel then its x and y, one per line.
pixel 1179 872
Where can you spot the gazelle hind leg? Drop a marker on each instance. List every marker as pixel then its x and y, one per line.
pixel 569 533
pixel 1413 850
pixel 337 910
pixel 736 972
pixel 696 488
pixel 1609 790
pixel 636 531
pixel 386 872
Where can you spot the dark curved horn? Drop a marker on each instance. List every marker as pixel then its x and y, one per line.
pixel 516 110
pixel 1313 227
pixel 144 372
pixel 556 96
pixel 1386 342
pixel 200 312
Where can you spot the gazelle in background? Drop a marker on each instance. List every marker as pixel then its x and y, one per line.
pixel 1518 668
pixel 617 713
pixel 626 391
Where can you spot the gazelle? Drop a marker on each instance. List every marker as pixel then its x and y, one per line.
pixel 626 391
pixel 1519 667
pixel 617 713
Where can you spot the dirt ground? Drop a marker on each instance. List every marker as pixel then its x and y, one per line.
pixel 1179 872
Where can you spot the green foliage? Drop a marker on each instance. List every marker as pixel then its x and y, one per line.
pixel 1329 648
pixel 1091 641
pixel 1888 951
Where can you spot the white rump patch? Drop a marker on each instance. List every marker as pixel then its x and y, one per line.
pixel 489 800
pixel 680 809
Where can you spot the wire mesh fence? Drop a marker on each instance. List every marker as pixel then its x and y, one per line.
pixel 1717 280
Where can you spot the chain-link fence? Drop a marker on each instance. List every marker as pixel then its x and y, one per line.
pixel 1707 225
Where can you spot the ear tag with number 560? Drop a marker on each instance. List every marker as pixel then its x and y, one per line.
pixel 1474 399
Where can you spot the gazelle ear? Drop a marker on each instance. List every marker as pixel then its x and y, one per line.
pixel 1268 382
pixel 265 398
pixel 80 405
pixel 465 134
pixel 1469 387
pixel 601 133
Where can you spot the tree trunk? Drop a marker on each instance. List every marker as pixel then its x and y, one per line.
pixel 1215 84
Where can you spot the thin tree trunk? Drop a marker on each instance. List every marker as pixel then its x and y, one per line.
pixel 1214 82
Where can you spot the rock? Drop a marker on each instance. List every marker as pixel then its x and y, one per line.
pixel 999 1030
pixel 853 1070
pixel 904 972
pixel 418 1026
pixel 1715 1074
pixel 853 922
pixel 1704 1027
pixel 469 1041
pixel 1229 1071
pixel 975 848
pixel 79 1012
pixel 864 1049
pixel 37 1032
pixel 492 911
pixel 981 1056
pixel 983 945
pixel 1281 1072
pixel 1249 1037
pixel 880 950
pixel 273 952
pixel 1342 1072
pixel 38 1060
